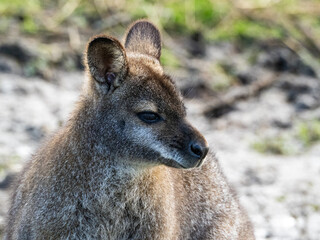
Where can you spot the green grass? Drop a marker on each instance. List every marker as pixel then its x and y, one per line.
pixel 224 76
pixel 309 133
pixel 6 161
pixel 281 198
pixel 302 136
pixel 241 21
pixel 273 145
pixel 315 207
pixel 247 30
pixel 169 59
pixel 219 20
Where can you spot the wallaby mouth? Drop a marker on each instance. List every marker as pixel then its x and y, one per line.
pixel 189 164
pixel 192 147
pixel 200 162
pixel 201 155
pixel 187 160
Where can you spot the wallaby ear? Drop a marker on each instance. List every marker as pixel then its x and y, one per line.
pixel 106 61
pixel 144 37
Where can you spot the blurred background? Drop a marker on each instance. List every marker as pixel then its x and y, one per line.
pixel 248 69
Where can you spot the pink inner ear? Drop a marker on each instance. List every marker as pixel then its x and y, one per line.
pixel 106 59
pixel 102 58
pixel 110 77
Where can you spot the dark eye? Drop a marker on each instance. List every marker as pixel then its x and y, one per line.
pixel 149 117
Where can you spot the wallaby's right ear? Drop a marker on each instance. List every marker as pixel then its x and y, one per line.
pixel 143 37
pixel 106 61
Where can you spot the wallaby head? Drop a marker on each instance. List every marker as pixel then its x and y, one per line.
pixel 138 111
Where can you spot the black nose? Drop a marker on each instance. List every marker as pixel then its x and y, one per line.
pixel 198 150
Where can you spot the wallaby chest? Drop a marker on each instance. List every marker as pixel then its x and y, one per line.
pixel 129 205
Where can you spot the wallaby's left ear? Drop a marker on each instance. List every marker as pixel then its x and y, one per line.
pixel 143 37
pixel 106 61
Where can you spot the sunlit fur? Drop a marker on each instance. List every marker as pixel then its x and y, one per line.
pixel 108 175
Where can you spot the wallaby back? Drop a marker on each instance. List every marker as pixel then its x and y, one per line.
pixel 127 164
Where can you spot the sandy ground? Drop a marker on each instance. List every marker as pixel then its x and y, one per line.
pixel 280 193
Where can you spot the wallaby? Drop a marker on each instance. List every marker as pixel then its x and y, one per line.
pixel 127 164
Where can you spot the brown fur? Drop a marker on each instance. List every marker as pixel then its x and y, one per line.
pixel 109 175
